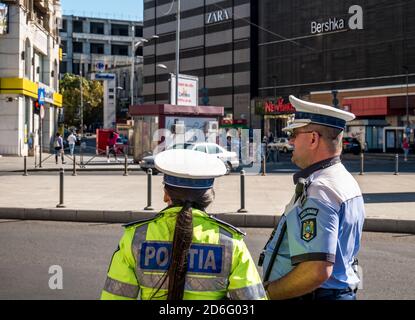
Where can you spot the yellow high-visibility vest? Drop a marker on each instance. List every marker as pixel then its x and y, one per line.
pixel 219 263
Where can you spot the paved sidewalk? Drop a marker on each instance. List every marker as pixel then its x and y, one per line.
pixel 114 198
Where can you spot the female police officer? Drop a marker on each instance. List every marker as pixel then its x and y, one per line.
pixel 183 253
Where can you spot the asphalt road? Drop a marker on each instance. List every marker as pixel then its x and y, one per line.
pixel 30 248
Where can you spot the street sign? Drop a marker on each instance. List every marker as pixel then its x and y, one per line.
pixel 100 66
pixel 41 96
pixel 42 111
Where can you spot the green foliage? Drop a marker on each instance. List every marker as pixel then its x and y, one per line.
pixel 92 92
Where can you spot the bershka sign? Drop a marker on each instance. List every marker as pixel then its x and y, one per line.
pixel 218 16
pixel 336 24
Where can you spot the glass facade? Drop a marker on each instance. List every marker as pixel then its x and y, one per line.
pixel 303 46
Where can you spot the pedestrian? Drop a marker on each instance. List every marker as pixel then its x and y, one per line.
pixel 71 141
pixel 405 146
pixel 229 143
pixel 111 142
pixel 311 255
pixel 183 253
pixel 59 149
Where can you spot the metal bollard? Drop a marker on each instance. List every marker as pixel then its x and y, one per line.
pixel 242 209
pixel 25 167
pixel 396 164
pixel 81 154
pixel 362 160
pixel 126 166
pixel 61 176
pixel 149 174
pixel 264 163
pixel 74 166
pixel 35 157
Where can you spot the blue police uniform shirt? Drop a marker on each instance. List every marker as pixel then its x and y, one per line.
pixel 325 225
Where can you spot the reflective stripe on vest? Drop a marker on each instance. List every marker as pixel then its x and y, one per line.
pixel 195 281
pixel 253 292
pixel 120 288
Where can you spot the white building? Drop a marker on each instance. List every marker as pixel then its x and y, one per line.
pixel 29 60
pixel 92 45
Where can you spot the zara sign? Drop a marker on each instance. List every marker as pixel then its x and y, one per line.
pixel 218 16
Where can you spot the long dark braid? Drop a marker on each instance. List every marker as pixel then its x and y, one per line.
pixel 183 234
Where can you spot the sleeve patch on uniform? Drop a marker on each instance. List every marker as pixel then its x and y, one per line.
pixel 201 259
pixel 308 229
pixel 308 212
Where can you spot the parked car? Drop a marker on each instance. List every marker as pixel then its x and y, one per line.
pixel 281 144
pixel 351 145
pixel 229 158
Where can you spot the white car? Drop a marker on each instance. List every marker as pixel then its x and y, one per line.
pixel 229 158
pixel 281 144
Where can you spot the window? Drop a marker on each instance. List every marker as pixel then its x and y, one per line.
pixel 75 68
pixel 63 67
pixel 201 148
pixel 78 26
pixel 64 25
pixel 77 47
pixel 64 46
pixel 212 149
pixel 97 28
pixel 119 29
pixel 139 31
pixel 119 50
pixel 97 48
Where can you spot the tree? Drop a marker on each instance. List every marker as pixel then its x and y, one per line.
pixel 92 92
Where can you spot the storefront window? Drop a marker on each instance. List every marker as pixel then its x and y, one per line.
pixel 144 131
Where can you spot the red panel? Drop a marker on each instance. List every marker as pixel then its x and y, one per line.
pixel 367 106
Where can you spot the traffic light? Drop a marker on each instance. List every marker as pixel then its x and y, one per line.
pixel 36 107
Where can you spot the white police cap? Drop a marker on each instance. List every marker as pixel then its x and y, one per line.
pixel 315 113
pixel 189 169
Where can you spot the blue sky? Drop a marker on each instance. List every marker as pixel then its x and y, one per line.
pixel 121 9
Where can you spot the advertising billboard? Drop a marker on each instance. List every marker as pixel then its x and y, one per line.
pixel 188 90
pixel 4 18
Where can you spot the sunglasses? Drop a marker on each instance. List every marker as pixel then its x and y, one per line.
pixel 294 134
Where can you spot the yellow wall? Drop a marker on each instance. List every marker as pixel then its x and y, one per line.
pixel 25 87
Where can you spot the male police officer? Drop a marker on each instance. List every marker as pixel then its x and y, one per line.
pixel 183 253
pixel 312 252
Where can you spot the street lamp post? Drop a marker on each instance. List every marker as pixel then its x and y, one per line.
pixel 82 100
pixel 132 66
pixel 134 46
pixel 407 95
pixel 177 52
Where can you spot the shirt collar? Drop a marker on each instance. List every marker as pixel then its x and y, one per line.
pixel 305 173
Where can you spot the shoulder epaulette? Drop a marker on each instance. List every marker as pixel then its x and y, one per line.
pixel 228 225
pixel 143 221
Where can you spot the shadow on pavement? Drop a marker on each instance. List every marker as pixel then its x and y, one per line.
pixel 389 197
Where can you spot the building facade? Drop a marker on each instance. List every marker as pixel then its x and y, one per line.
pixel 95 45
pixel 215 46
pixel 29 60
pixel 249 55
pixel 362 50
pixel 93 41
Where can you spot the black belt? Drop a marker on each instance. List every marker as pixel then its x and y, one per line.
pixel 321 292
